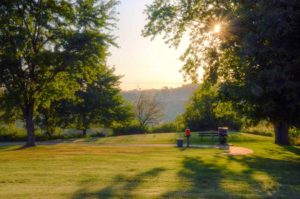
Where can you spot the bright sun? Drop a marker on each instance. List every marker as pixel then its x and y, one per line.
pixel 217 28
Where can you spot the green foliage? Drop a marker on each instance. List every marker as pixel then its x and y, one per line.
pixel 167 127
pixel 262 128
pixel 179 122
pixel 97 102
pixel 205 111
pixel 266 129
pixel 264 79
pixel 295 136
pixel 100 102
pixel 46 46
pixel 129 128
pixel 295 132
pixel 11 133
pixel 50 119
pixel 134 127
pixel 194 19
pixel 254 58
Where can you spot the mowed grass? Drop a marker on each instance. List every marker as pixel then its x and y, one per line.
pixel 170 138
pixel 89 169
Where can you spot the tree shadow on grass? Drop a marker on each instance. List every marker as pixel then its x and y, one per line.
pixel 14 146
pixel 257 178
pixel 285 174
pixel 121 186
pixel 7 148
pixel 200 180
pixel 293 149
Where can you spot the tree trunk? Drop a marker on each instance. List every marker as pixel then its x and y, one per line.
pixel 84 132
pixel 28 113
pixel 281 133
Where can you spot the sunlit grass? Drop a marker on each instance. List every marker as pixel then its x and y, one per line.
pixel 170 138
pixel 87 169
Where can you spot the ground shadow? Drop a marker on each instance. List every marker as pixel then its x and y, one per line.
pixel 121 186
pixel 8 148
pixel 293 149
pixel 13 146
pixel 285 173
pixel 204 180
pixel 209 180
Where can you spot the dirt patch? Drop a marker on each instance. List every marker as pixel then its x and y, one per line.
pixel 233 150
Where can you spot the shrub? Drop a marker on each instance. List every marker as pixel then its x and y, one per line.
pixel 12 133
pixel 266 129
pixel 165 128
pixel 262 128
pixel 294 135
pixel 129 128
pixel 205 111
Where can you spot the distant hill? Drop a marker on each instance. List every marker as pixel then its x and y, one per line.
pixel 173 99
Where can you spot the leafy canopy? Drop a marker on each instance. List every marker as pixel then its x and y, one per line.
pixel 204 111
pixel 46 46
pixel 100 102
pixel 253 55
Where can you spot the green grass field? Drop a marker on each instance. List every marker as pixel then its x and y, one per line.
pixel 86 168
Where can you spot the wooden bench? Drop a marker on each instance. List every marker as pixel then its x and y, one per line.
pixel 211 134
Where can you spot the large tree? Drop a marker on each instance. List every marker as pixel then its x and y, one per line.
pixel 46 46
pixel 99 102
pixel 250 48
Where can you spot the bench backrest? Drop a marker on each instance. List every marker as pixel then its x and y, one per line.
pixel 209 133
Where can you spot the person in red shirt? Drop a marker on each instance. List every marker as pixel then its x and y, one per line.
pixel 187 134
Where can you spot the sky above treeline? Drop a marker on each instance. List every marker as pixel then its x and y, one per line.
pixel 145 64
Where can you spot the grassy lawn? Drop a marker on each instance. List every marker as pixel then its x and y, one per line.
pixel 170 138
pixel 87 169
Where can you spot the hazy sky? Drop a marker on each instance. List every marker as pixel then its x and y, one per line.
pixel 144 63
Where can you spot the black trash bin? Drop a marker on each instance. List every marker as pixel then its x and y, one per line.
pixel 179 142
pixel 223 135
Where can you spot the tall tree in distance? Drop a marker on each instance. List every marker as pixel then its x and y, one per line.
pixel 46 46
pixel 249 48
pixel 148 109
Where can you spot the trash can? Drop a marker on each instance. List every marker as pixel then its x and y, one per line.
pixel 222 135
pixel 179 142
